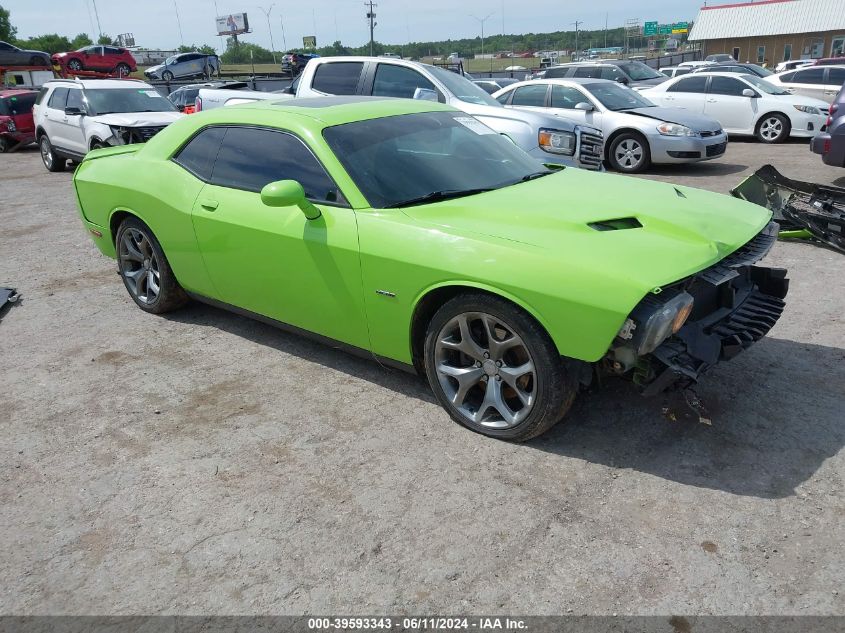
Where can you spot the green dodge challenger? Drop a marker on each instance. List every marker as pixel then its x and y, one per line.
pixel 411 232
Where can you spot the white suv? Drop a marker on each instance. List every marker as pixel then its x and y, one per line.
pixel 73 116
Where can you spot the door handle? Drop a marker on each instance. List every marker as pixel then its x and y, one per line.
pixel 711 101
pixel 209 205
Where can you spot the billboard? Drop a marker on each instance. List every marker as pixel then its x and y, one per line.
pixel 232 24
pixel 309 41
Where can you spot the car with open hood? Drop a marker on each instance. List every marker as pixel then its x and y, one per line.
pixel 73 116
pixel 637 133
pixel 413 233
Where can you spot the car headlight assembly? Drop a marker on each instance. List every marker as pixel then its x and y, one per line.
pixel 556 141
pixel 121 134
pixel 653 324
pixel 807 109
pixel 10 125
pixel 674 129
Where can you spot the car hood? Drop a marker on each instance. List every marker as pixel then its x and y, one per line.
pixel 154 69
pixel 138 119
pixel 684 230
pixel 697 122
pixel 649 82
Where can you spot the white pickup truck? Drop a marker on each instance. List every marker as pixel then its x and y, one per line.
pixel 210 98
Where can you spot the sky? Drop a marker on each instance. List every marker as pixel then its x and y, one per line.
pixel 154 22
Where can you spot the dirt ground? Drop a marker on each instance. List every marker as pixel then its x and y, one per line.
pixel 204 463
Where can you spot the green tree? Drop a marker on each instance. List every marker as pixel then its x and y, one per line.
pixel 245 53
pixel 7 31
pixel 51 43
pixel 104 40
pixel 205 49
pixel 80 40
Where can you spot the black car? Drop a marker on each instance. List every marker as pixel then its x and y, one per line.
pixel 831 143
pixel 741 69
pixel 14 56
pixel 186 96
pixel 631 73
pixel 293 63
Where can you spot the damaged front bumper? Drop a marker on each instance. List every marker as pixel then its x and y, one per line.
pixel 735 304
pixel 797 205
pixel 127 135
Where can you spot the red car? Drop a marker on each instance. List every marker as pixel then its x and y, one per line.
pixel 16 126
pixel 104 59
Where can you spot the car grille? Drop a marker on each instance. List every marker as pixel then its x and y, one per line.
pixel 717 149
pixel 706 134
pixel 592 150
pixel 752 252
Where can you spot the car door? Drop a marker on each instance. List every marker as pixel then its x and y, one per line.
pixel 73 125
pixel 833 83
pixel 273 261
pixel 393 80
pixel 808 82
pixel 563 100
pixel 688 93
pixel 726 103
pixel 532 96
pixel 54 114
pixel 333 78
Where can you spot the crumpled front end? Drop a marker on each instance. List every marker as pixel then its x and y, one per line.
pixel 674 336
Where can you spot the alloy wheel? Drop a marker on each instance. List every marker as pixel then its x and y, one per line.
pixel 485 370
pixel 74 64
pixel 771 128
pixel 46 152
pixel 139 266
pixel 629 154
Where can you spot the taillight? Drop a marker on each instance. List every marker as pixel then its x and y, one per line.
pixel 197 104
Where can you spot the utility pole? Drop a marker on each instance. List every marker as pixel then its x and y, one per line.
pixel 96 13
pixel 179 24
pixel 284 40
pixel 482 21
pixel 577 23
pixel 267 15
pixel 371 16
pixel 217 15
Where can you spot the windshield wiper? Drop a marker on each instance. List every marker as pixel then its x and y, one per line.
pixel 437 196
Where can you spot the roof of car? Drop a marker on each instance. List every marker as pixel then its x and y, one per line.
pixel 339 110
pixel 100 83
pixel 12 92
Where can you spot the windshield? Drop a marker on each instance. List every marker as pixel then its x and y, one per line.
pixel 639 71
pixel 171 60
pixel 102 101
pixel 17 104
pixel 462 88
pixel 759 70
pixel 764 86
pixel 614 96
pixel 399 159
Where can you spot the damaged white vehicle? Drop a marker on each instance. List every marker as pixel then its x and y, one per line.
pixel 74 116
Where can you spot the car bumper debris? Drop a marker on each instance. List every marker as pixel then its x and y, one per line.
pixel 817 209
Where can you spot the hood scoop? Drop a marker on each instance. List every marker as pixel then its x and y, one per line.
pixel 618 224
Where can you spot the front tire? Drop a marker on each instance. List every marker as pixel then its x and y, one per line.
pixel 495 369
pixel 629 153
pixel 123 70
pixel 145 270
pixel 167 75
pixel 773 128
pixel 5 145
pixel 74 64
pixel 51 161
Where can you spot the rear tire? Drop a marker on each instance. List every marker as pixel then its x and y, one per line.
pixel 145 270
pixel 773 128
pixel 629 153
pixel 51 161
pixel 167 75
pixel 5 146
pixel 495 369
pixel 123 70
pixel 74 64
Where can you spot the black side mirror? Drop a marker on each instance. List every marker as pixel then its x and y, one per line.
pixel 622 80
pixel 73 111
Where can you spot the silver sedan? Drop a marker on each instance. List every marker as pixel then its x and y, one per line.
pixel 637 133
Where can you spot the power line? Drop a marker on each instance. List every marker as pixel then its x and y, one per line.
pixel 266 13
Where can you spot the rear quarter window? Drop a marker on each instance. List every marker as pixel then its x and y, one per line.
pixel 58 99
pixel 337 78
pixel 199 153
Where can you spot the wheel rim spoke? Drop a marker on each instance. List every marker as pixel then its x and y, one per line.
pixel 493 400
pixel 511 376
pixel 467 378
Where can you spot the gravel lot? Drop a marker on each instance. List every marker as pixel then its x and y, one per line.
pixel 204 463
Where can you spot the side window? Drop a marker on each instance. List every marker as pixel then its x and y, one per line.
pixel 503 98
pixel 609 72
pixel 398 81
pixel 556 73
pixel 786 78
pixel 338 78
pixel 74 99
pixel 250 158
pixel 58 99
pixel 809 76
pixel 530 96
pixel 592 72
pixel 567 98
pixel 199 154
pixel 41 94
pixel 112 51
pixel 836 76
pixel 689 84
pixel 5 47
pixel 727 86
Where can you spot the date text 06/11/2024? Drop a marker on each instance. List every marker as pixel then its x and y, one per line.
pixel 415 623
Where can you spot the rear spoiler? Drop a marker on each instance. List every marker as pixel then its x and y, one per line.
pixel 803 209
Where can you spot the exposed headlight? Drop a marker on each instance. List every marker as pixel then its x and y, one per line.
pixel 11 125
pixel 556 141
pixel 673 129
pixel 121 135
pixel 807 109
pixel 655 325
